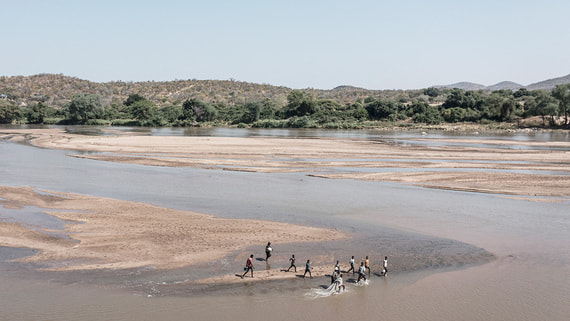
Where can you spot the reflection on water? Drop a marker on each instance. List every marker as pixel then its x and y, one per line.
pixel 31 216
pixel 404 138
pixel 528 280
pixel 370 134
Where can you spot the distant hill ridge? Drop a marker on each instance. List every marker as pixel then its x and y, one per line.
pixel 57 90
pixel 509 85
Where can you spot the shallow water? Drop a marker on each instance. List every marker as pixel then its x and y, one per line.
pixel 415 227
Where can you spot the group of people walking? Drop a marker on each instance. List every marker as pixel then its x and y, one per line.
pixel 249 263
pixel 336 277
pixel 293 265
pixel 363 268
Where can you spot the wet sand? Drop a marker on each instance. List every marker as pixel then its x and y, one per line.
pixel 522 171
pixel 102 233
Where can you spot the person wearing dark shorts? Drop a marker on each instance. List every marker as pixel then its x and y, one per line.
pixel 292 259
pixel 248 266
pixel 268 250
pixel 361 272
pixel 308 269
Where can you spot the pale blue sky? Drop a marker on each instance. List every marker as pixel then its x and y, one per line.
pixel 298 44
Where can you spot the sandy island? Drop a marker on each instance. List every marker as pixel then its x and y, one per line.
pixel 103 233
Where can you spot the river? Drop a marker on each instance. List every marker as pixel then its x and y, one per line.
pixel 523 247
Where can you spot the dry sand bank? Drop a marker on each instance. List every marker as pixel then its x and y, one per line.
pixel 104 233
pixel 476 169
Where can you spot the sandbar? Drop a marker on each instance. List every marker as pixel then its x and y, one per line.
pixel 104 233
pixel 525 171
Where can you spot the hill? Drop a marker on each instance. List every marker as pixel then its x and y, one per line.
pixel 509 85
pixel 505 85
pixel 57 90
pixel 550 83
pixel 464 86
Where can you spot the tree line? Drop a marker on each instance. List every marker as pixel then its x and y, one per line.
pixel 304 110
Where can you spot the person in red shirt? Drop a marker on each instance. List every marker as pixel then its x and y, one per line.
pixel 249 266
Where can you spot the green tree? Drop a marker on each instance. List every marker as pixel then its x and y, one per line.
pixel 422 112
pixel 269 109
pixel 8 112
pixel 145 111
pixel 329 105
pixel 543 105
pixel 418 107
pixel 456 98
pixel 84 107
pixel 562 93
pixel 472 115
pixel 133 98
pixel 252 112
pixel 381 109
pixel 432 92
pixel 37 113
pixel 491 106
pixel 117 111
pixel 358 111
pixel 172 114
pixel 507 108
pixel 195 109
pixel 228 113
pixel 454 115
pixel 463 99
pixel 522 92
pixel 300 103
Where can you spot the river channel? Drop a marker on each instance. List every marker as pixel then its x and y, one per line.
pixel 453 255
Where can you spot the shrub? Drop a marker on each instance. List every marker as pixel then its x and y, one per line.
pixel 301 122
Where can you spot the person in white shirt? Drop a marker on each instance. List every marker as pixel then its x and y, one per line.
pixel 361 272
pixel 339 285
pixel 268 250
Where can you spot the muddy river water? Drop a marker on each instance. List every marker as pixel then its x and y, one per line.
pixel 453 255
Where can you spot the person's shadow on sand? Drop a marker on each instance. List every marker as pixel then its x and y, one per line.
pixel 246 276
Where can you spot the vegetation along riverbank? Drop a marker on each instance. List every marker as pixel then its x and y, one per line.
pixel 58 99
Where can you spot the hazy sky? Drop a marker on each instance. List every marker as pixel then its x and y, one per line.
pixel 298 44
